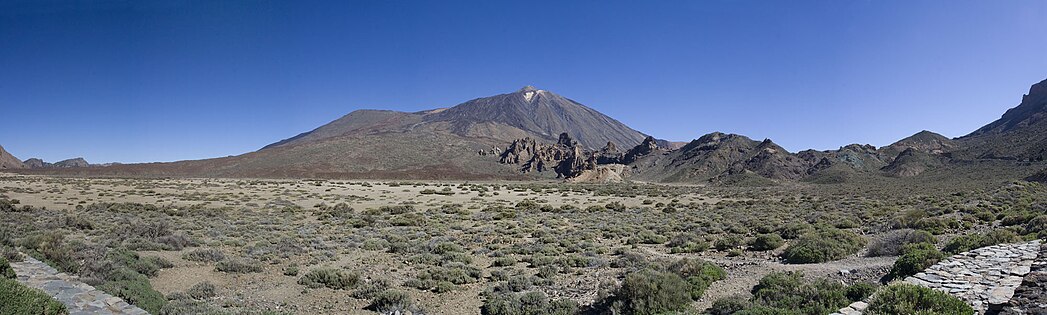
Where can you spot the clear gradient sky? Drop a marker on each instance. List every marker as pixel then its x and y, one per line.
pixel 129 81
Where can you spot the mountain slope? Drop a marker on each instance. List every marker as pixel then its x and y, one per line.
pixel 434 144
pixel 497 120
pixel 8 161
pixel 541 113
pixel 358 122
pixel 1020 134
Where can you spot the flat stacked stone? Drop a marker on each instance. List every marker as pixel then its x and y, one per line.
pixel 987 278
pixel 1031 295
pixel 78 297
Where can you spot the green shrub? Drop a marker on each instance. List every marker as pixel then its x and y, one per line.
pixel 859 291
pixel 1037 225
pixel 184 305
pixel 729 305
pixel 789 293
pixel 728 242
pixel 648 237
pixel 652 292
pixel 765 242
pixel 371 289
pixel 788 290
pixel 795 230
pixel 331 278
pixel 892 243
pixel 52 249
pixel 239 265
pixel 148 266
pixel 5 269
pixel 204 255
pixel 972 241
pixel 201 291
pixel 134 288
pixel 17 299
pixel 503 262
pixel 698 274
pixel 903 298
pixel 687 243
pixel 392 302
pixel 915 258
pixel 826 244
pixel 442 279
pixel 531 303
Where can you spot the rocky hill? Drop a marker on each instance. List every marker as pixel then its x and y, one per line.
pixel 716 155
pixel 8 161
pixel 923 141
pixel 36 163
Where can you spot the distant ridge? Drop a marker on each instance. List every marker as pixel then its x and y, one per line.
pixel 533 133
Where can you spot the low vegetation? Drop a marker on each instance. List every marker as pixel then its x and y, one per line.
pixel 17 299
pixel 330 278
pixel 971 241
pixel 915 258
pixel 824 244
pixel 522 248
pixel 789 293
pixel 905 298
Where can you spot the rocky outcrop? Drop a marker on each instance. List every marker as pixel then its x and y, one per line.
pixel 647 147
pixel 534 156
pixel 568 158
pixel 609 154
pixel 576 162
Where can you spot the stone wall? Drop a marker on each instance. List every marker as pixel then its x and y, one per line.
pixel 78 297
pixel 987 279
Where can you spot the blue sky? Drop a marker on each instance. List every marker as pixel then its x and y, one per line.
pixel 134 82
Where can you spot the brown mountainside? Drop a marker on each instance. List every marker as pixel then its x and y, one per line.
pixel 8 161
pixel 440 143
pixel 497 120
